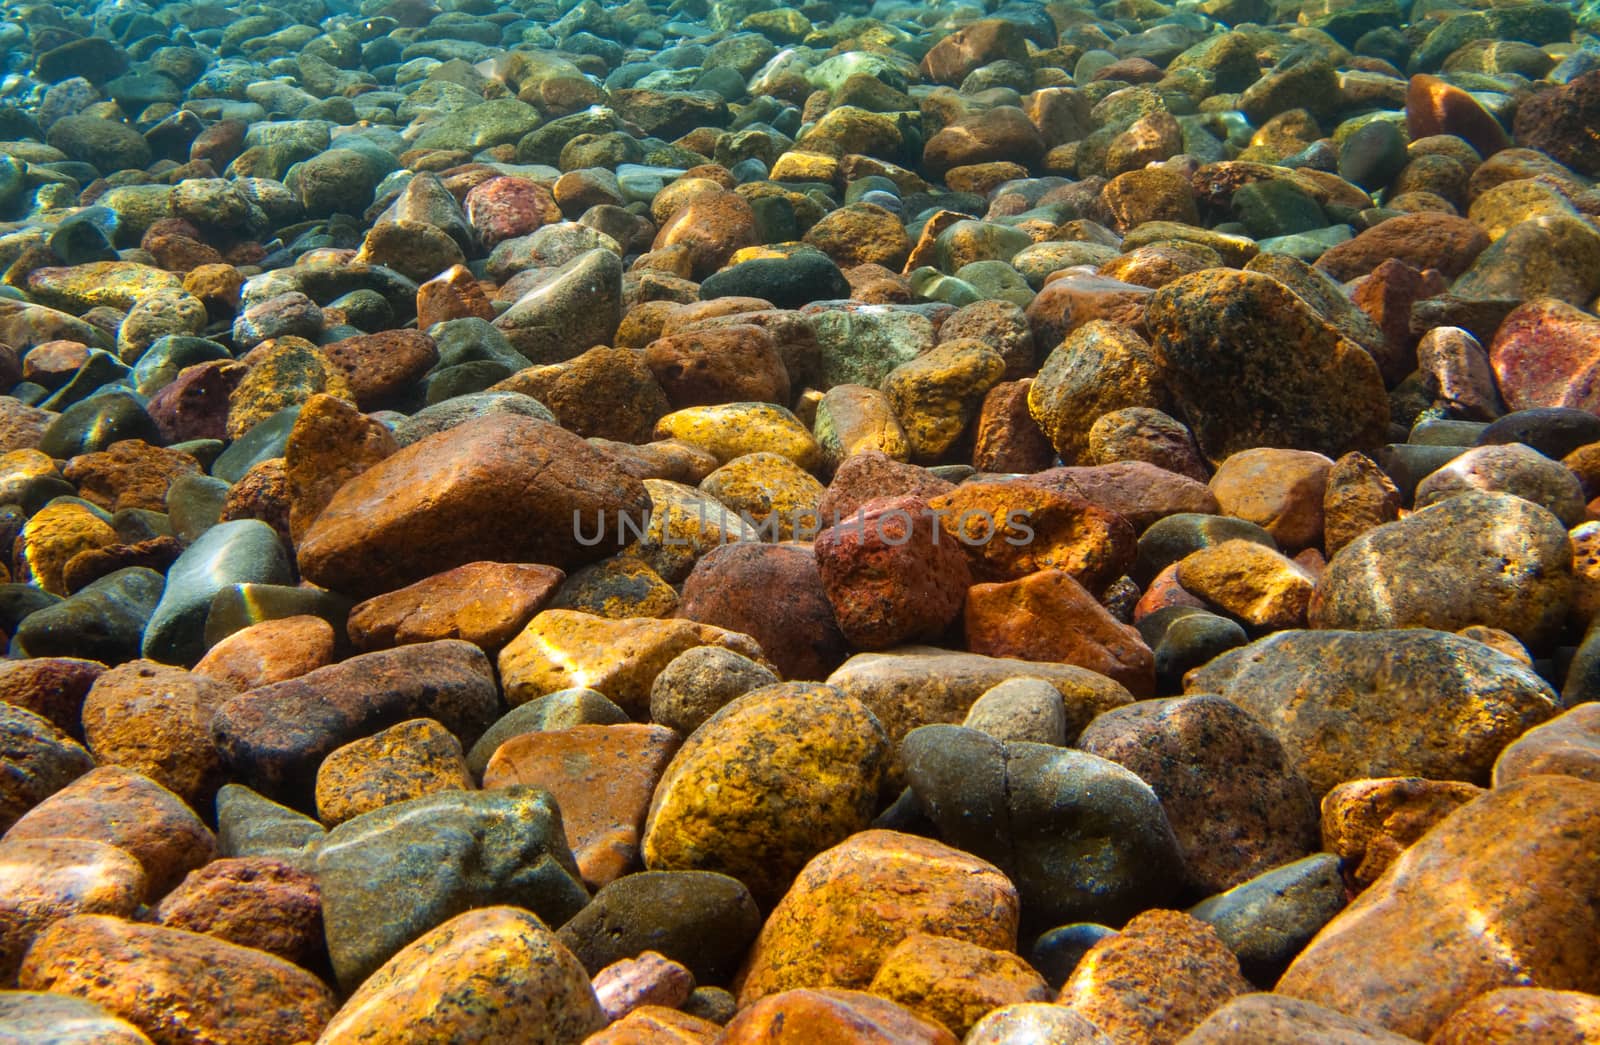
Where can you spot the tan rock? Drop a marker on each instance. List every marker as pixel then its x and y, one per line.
pixel 156 720
pixel 1370 822
pixel 268 652
pixel 1251 582
pixel 1568 744
pixel 1279 490
pixel 1524 1014
pixel 800 1017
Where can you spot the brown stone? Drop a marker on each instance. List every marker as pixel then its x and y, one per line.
pixel 1272 1019
pixel 606 393
pixel 330 444
pixel 1423 241
pixel 650 979
pixel 156 720
pixel 255 902
pixel 484 603
pixel 1436 107
pixel 1049 616
pixel 382 367
pixel 119 807
pixel 854 903
pixel 1486 899
pixel 88 566
pixel 1235 801
pixel 52 687
pixel 657 1025
pixel 129 474
pixel 712 225
pixel 452 294
pixel 1155 980
pixel 870 475
pixel 1357 496
pixel 268 652
pixel 1138 491
pixel 1281 491
pixel 861 233
pixel 1012 529
pixel 1249 581
pixel 704 367
pixel 179 987
pixel 1370 822
pixel 1523 1014
pixel 509 489
pixel 602 777
pixel 1099 367
pixel 1006 438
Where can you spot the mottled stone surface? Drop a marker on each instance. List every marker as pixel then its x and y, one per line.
pixel 256 902
pixel 955 983
pixel 1363 704
pixel 853 903
pixel 1523 1014
pixel 178 987
pixel 492 974
pixel 1484 900
pixel 44 880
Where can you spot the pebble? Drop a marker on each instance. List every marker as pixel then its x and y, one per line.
pixel 386 388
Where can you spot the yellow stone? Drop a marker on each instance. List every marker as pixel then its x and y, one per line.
pixel 565 649
pixel 771 491
pixel 116 284
pixel 732 430
pixel 283 372
pixel 767 783
pixel 414 758
pixel 954 982
pixel 805 166
pixel 495 974
pixel 1250 581
pixel 54 535
pixel 684 525
pixel 1234 250
pixel 784 23
pixel 19 468
pixel 936 395
pixel 852 419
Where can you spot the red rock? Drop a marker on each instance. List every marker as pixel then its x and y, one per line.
pixel 51 687
pixel 1002 133
pixel 255 902
pixel 871 475
pixel 1049 616
pixel 1436 107
pixel 1387 293
pixel 1140 492
pixel 892 573
pixel 1012 529
pixel 1560 123
pixel 1547 353
pixel 602 777
pixel 1006 438
pixel 731 587
pixel 195 404
pixel 1279 490
pixel 727 364
pixel 503 208
pixel 814 1017
pixel 711 225
pixel 1165 591
pixel 381 367
pixel 503 488
pixel 1422 240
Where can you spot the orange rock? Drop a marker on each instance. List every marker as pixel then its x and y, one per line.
pixel 1369 823
pixel 1012 529
pixel 854 903
pixel 602 778
pixel 656 1025
pixel 1524 1014
pixel 179 987
pixel 606 393
pixel 484 603
pixel 452 294
pixel 1488 898
pixel 382 367
pixel 1006 438
pixel 1357 497
pixel 1049 616
pixel 711 225
pixel 119 807
pixel 52 537
pixel 46 879
pixel 129 474
pixel 414 758
pixel 1154 981
pixel 954 983
pixel 255 902
pixel 271 651
pixel 1436 107
pixel 831 1017
pixel 156 720
pixel 331 443
pixel 712 365
pixel 1568 744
